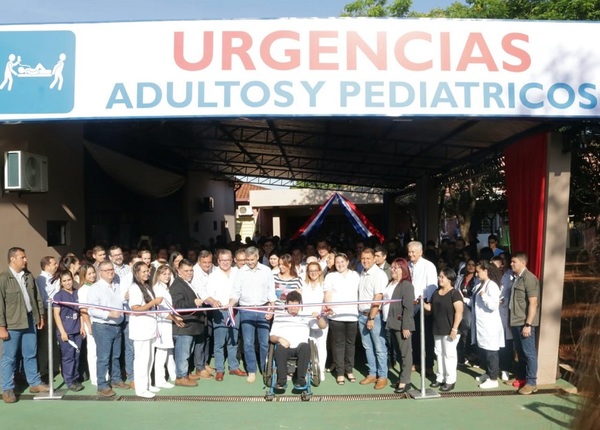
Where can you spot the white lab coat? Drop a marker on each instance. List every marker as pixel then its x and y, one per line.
pixel 487 330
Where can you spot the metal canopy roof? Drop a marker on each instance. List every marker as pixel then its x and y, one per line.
pixel 363 153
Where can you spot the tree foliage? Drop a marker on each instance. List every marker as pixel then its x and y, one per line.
pixel 564 10
pixel 377 8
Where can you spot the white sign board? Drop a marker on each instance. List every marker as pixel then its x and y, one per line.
pixel 300 67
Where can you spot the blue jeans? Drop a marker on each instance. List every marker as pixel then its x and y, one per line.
pixel 183 349
pixel 128 351
pixel 525 346
pixel 108 339
pixel 25 341
pixel 225 337
pixel 252 324
pixel 373 342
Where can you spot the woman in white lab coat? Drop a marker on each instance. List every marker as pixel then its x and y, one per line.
pixel 487 331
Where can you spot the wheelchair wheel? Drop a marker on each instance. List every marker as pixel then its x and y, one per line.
pixel 268 373
pixel 315 370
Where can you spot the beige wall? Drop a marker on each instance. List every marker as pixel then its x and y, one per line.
pixel 303 197
pixel 200 186
pixel 23 217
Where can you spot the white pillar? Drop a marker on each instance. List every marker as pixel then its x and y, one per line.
pixel 276 223
pixel 554 256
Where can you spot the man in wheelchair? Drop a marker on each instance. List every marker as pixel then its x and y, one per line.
pixel 290 333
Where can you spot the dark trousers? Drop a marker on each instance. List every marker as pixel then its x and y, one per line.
pixel 416 341
pixel 405 355
pixel 70 358
pixel 42 353
pixel 507 356
pixel 343 336
pixel 302 351
pixel 491 361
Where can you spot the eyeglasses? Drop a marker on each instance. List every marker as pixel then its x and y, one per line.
pixel 314 271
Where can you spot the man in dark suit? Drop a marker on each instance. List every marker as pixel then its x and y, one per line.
pixel 381 260
pixel 184 297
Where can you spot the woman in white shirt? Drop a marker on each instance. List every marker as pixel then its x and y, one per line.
pixel 342 286
pixel 142 329
pixel 164 340
pixel 313 292
pixel 87 276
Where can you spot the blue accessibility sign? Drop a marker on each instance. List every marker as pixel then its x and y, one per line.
pixel 37 72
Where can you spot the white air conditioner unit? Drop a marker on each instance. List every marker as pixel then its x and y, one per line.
pixel 25 172
pixel 244 210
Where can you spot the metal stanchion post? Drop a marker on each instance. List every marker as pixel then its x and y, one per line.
pixel 51 395
pixel 424 393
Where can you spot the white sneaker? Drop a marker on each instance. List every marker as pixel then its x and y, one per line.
pixel 489 384
pixel 146 395
pixel 482 378
pixel 165 385
pixel 251 378
pixel 322 376
pixel 153 389
pixel 504 376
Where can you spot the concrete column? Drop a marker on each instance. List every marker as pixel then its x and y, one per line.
pixel 554 257
pixel 276 222
pixel 428 210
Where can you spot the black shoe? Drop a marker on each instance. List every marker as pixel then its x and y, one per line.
pixel 436 384
pixel 447 387
pixel 281 387
pixel 76 386
pixel 402 390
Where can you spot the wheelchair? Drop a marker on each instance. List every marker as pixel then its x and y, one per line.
pixel 313 374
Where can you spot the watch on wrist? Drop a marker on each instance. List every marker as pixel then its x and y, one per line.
pixel 370 319
pixel 527 325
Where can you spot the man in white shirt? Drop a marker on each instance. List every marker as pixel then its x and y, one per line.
pixel 225 333
pixel 107 329
pixel 254 286
pixel 373 281
pixel 290 332
pixel 424 279
pixel 124 278
pixel 202 270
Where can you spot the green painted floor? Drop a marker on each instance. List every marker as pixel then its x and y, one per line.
pixel 473 411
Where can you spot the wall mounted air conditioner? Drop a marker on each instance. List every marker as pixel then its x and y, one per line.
pixel 25 172
pixel 244 210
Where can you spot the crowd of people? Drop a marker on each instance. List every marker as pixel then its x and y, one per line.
pixel 151 320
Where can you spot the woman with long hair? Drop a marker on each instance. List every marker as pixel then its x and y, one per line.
pixel 164 342
pixel 399 318
pixel 465 284
pixel 142 329
pixel 174 259
pixel 313 291
pixel 342 286
pixel 87 277
pixel 69 330
pixel 71 264
pixel 286 280
pixel 486 329
pixel 446 307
